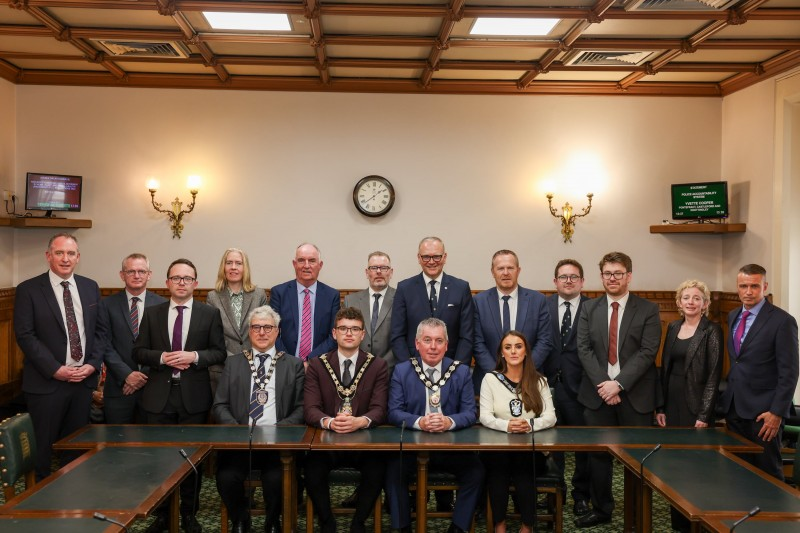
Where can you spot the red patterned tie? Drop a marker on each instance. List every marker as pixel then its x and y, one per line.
pixel 305 327
pixel 612 334
pixel 75 350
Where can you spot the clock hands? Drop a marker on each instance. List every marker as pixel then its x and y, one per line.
pixel 374 195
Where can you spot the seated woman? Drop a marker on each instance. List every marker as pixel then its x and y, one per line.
pixel 515 398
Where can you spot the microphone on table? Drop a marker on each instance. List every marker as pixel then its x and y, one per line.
pixel 196 480
pixel 250 470
pixel 641 480
pixel 750 514
pixel 104 518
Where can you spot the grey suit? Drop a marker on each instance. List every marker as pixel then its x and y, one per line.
pixel 378 342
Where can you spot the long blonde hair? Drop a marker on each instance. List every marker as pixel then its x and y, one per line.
pixel 247 285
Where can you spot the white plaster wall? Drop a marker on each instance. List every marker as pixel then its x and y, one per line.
pixel 7 175
pixel 279 169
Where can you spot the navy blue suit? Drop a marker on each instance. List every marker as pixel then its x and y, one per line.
pixel 57 407
pixel 532 321
pixel 283 299
pixel 407 402
pixel 411 306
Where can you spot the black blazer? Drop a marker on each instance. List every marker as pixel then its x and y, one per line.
pixel 703 368
pixel 205 337
pixel 42 335
pixel 564 362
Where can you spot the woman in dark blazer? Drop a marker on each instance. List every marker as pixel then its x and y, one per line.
pixel 691 366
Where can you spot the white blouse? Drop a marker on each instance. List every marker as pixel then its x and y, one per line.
pixel 495 410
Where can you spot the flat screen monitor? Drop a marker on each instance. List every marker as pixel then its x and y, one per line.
pixel 52 192
pixel 700 201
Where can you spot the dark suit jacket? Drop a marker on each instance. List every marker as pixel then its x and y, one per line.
pixel 637 346
pixel 564 362
pixel 412 306
pixel 115 337
pixel 321 399
pixel 380 343
pixel 408 397
pixel 532 321
pixel 204 337
pixel 283 298
pixel 232 401
pixel 42 334
pixel 236 339
pixel 703 368
pixel 764 376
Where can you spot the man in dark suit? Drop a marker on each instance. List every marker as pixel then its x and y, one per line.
pixel 564 371
pixel 433 393
pixel 618 339
pixel 505 307
pixel 261 387
pixel 55 315
pixel 763 352
pixel 345 391
pixel 306 306
pixel 432 293
pixel 118 322
pixel 178 340
pixel 375 303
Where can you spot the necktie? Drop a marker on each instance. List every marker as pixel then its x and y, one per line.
pixel 566 324
pixel 305 327
pixel 177 337
pixel 737 337
pixel 75 350
pixel 612 334
pixel 347 377
pixel 375 310
pixel 256 409
pixel 431 373
pixel 433 300
pixel 135 316
pixel 506 314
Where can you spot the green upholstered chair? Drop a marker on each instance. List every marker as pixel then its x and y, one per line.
pixel 17 452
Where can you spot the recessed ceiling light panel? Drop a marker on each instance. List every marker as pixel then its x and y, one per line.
pixel 248 21
pixel 513 26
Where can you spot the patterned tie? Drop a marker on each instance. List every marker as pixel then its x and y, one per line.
pixel 566 324
pixel 305 327
pixel 347 377
pixel 434 408
pixel 612 334
pixel 177 335
pixel 256 409
pixel 737 337
pixel 433 299
pixel 135 317
pixel 506 314
pixel 75 350
pixel 375 310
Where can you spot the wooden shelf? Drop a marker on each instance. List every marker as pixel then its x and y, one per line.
pixel 699 228
pixel 33 222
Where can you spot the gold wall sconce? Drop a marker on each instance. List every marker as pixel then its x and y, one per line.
pixel 567 217
pixel 176 214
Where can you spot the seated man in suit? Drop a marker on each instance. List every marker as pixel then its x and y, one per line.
pixel 262 387
pixel 433 393
pixel 345 391
pixel 306 306
pixel 118 322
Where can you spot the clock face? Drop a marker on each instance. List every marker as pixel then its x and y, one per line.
pixel 373 196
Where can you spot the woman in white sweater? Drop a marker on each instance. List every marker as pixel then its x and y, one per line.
pixel 515 398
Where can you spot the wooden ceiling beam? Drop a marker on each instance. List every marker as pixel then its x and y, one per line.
pixel 190 37
pixel 455 12
pixel 9 72
pixel 312 13
pixel 776 65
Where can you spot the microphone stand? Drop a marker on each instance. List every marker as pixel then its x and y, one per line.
pixel 104 518
pixel 754 511
pixel 535 483
pixel 196 495
pixel 641 483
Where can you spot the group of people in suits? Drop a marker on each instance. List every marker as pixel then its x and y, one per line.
pixel 399 356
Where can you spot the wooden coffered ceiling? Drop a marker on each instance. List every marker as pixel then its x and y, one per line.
pixel 405 46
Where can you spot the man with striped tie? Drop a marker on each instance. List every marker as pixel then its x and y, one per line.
pixel 118 319
pixel 262 387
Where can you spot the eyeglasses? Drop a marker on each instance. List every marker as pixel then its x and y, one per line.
pixel 429 258
pixel 376 268
pixel 177 280
pixel 140 273
pixel 615 275
pixel 572 277
pixel 345 329
pixel 258 328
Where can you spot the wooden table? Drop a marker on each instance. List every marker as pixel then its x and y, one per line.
pixel 62 524
pixel 756 524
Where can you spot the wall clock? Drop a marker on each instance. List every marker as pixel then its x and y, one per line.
pixel 373 196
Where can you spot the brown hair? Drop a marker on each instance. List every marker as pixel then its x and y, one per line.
pixel 529 384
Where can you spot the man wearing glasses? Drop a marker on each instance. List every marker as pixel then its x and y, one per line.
pixel 432 293
pixel 118 320
pixel 346 390
pixel 619 335
pixel 178 340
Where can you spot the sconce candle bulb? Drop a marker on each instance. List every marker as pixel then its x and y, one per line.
pixel 176 214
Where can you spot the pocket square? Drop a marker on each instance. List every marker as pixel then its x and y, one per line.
pixel 451 305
